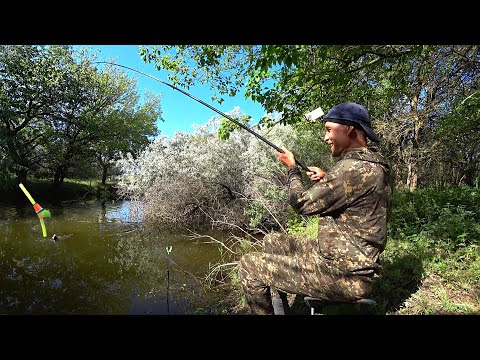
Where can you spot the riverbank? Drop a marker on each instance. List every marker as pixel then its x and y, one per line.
pixel 70 191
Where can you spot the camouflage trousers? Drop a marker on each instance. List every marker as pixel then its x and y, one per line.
pixel 292 264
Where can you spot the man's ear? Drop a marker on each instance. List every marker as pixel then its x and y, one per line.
pixel 351 131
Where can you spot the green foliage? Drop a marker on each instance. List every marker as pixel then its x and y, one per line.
pixel 255 212
pixel 220 66
pixel 462 265
pixel 463 119
pixel 302 225
pixel 60 115
pixel 227 126
pixel 7 178
pixel 451 216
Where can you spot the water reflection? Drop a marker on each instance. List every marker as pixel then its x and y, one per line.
pixel 103 261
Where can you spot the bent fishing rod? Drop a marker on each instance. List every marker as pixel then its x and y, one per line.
pixel 210 107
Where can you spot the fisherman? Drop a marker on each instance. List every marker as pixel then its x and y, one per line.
pixel 353 201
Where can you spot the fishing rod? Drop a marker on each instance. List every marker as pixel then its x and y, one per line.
pixel 210 107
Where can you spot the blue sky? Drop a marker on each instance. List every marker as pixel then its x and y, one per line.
pixel 180 112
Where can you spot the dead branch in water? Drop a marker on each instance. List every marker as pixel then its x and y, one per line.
pixel 79 199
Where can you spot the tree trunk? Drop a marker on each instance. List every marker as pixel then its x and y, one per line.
pixel 58 176
pixel 22 176
pixel 104 174
pixel 398 178
pixel 412 177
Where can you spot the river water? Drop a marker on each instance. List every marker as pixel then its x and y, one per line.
pixel 102 262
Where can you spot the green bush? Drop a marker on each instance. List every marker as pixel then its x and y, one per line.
pixel 449 216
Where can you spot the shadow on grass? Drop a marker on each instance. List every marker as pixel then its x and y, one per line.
pixel 401 277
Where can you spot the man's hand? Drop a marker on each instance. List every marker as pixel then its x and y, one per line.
pixel 286 157
pixel 315 173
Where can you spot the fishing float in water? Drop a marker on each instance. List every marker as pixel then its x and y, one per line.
pixel 41 212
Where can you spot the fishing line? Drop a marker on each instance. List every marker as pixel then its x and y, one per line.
pixel 210 107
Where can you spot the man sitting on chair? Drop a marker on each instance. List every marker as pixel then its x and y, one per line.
pixel 353 200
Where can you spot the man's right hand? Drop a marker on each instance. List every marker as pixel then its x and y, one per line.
pixel 286 157
pixel 315 173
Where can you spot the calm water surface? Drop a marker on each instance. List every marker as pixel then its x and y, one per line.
pixel 103 262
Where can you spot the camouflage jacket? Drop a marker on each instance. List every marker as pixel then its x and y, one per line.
pixel 354 201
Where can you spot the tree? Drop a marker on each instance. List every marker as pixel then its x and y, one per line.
pixel 458 135
pixel 407 88
pixel 30 87
pixel 127 129
pixel 58 111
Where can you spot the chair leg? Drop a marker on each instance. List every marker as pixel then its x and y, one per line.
pixel 310 301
